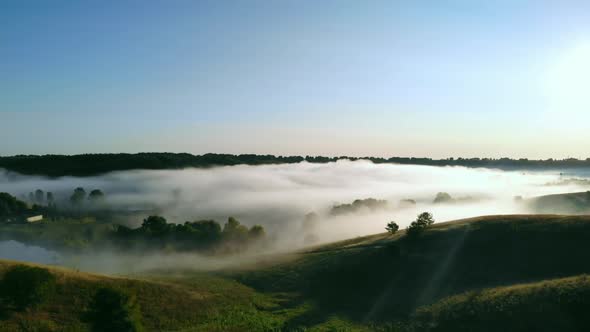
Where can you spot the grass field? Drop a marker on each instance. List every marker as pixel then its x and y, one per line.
pixel 524 272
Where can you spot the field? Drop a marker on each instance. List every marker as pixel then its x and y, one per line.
pixel 517 272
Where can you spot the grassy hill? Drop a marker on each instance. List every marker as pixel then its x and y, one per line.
pixel 554 305
pixel 517 272
pixel 383 278
pixel 196 303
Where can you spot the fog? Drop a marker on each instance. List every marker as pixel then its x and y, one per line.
pixel 279 196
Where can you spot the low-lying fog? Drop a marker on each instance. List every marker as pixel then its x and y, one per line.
pixel 279 196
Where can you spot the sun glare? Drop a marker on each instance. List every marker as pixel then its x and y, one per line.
pixel 569 80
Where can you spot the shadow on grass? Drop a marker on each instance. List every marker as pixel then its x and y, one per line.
pixel 387 282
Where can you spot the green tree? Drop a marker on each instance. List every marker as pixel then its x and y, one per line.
pixel 10 206
pixel 256 232
pixel 208 230
pixel 155 225
pixel 231 225
pixel 425 218
pixel 27 286
pixel 392 227
pixel 233 230
pixel 418 226
pixel 115 310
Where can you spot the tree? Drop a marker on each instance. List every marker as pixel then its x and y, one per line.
pixel 10 206
pixel 233 230
pixel 27 286
pixel 231 225
pixel 78 196
pixel 310 222
pixel 96 196
pixel 256 232
pixel 155 225
pixel 50 198
pixel 406 203
pixel 115 310
pixel 208 230
pixel 392 227
pixel 418 226
pixel 39 196
pixel 443 198
pixel 426 218
pixel 123 231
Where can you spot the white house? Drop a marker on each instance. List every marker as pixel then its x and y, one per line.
pixel 35 218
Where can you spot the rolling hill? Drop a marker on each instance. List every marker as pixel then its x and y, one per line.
pixel 383 278
pixel 513 272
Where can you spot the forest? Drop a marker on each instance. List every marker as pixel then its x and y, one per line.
pixel 94 164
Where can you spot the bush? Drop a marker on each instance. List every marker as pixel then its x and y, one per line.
pixel 115 310
pixel 27 286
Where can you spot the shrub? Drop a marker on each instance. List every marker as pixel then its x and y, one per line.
pixel 115 310
pixel 27 286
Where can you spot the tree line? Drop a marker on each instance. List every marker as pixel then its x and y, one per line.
pixel 208 235
pixel 94 164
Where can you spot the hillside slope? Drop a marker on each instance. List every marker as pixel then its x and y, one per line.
pixel 554 305
pixel 384 277
pixel 515 270
pixel 196 303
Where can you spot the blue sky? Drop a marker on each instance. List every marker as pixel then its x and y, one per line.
pixel 404 78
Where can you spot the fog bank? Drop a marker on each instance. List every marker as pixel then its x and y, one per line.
pixel 278 196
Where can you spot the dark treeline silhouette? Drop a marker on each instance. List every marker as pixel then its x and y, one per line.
pixel 94 164
pixel 14 210
pixel 10 206
pixel 357 205
pixel 156 233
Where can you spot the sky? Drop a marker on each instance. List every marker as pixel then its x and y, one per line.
pixel 383 78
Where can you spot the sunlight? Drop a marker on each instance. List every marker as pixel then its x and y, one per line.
pixel 569 80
